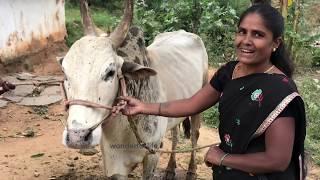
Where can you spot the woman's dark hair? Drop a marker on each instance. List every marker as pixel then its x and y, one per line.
pixel 273 20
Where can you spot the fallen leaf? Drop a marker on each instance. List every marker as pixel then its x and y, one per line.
pixel 37 155
pixel 88 152
pixel 28 133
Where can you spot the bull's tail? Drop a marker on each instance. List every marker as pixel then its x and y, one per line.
pixel 186 124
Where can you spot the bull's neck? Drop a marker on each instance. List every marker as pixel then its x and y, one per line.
pixel 133 49
pixel 146 90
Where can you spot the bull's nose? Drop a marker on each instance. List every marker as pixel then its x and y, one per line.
pixel 78 139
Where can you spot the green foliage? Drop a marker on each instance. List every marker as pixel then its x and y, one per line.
pixel 97 3
pixel 300 41
pixel 211 116
pixel 73 23
pixel 309 89
pixel 167 17
pixel 217 29
pixel 302 50
pixel 75 32
pixel 316 56
pixel 240 5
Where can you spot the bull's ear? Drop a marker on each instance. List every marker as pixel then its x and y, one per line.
pixel 136 71
pixel 60 59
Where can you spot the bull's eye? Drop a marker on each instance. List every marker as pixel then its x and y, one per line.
pixel 109 75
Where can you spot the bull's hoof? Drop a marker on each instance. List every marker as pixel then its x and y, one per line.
pixel 191 176
pixel 170 175
pixel 118 177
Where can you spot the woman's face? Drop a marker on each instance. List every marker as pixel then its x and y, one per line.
pixel 254 42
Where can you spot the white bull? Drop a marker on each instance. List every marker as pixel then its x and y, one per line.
pixel 174 66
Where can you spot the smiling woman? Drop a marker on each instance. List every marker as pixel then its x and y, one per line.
pixel 262 115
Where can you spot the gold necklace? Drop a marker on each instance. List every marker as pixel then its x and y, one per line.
pixel 237 68
pixel 269 69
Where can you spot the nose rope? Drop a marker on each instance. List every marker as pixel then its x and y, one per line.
pixel 80 102
pixel 86 103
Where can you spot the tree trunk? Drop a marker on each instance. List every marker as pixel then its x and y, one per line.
pixel 295 25
pixel 284 9
pixel 196 15
pixel 276 4
pixel 297 13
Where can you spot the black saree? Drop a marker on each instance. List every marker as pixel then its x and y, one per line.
pixel 247 106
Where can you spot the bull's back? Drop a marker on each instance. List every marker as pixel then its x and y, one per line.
pixel 181 62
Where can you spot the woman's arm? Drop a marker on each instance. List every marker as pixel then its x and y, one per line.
pixel 203 99
pixel 279 140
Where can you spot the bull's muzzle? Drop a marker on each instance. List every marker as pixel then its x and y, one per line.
pixel 79 138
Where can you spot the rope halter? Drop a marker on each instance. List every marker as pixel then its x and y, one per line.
pixel 71 102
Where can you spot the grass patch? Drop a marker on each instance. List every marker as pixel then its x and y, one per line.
pixel 73 24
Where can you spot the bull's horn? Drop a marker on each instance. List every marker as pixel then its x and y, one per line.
pixel 88 25
pixel 120 33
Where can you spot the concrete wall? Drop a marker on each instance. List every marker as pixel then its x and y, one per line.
pixel 27 26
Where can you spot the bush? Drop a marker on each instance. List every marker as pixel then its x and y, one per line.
pixel 309 89
pixel 316 56
pixel 217 29
pixel 211 116
pixel 300 41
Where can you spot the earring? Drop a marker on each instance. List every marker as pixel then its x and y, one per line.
pixel 274 49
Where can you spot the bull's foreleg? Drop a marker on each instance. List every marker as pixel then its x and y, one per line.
pixel 170 171
pixel 195 126
pixel 150 162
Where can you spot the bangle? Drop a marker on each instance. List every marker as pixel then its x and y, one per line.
pixel 222 158
pixel 159 110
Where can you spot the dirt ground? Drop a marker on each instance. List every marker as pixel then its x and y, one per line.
pixel 31 148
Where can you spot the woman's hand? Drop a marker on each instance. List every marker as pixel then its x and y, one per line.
pixel 213 156
pixel 128 106
pixel 5 86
